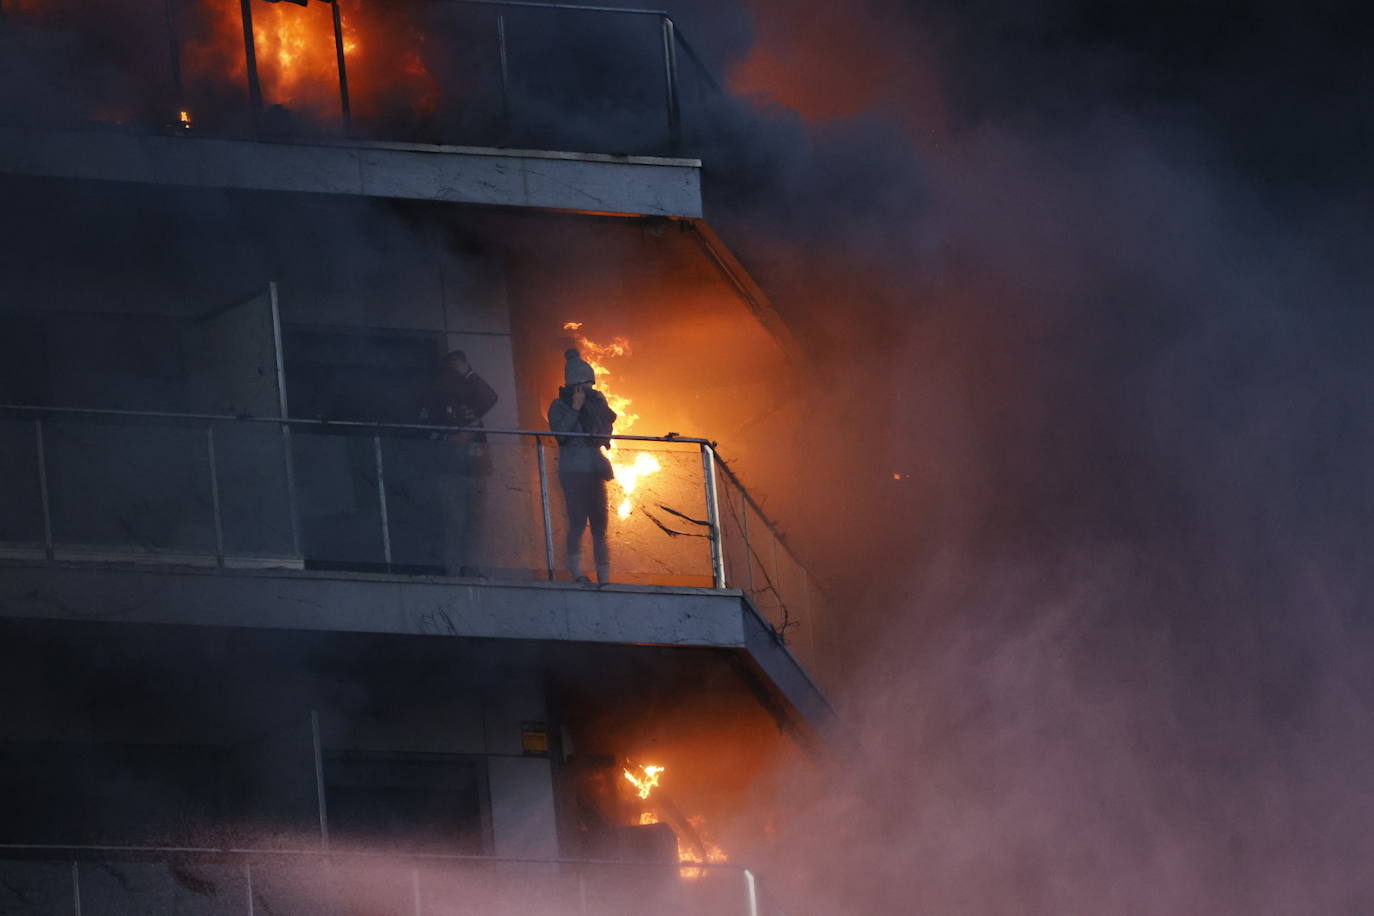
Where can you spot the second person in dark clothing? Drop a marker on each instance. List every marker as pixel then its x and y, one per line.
pixel 461 398
pixel 583 468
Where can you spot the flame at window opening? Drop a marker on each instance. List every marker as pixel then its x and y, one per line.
pixel 694 848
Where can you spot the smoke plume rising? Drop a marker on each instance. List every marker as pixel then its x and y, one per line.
pixel 1094 301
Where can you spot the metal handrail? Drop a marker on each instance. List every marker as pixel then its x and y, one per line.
pixel 322 422
pixel 574 7
pixel 76 849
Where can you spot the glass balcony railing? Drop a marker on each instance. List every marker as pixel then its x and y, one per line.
pixel 123 486
pixel 507 73
pixel 233 882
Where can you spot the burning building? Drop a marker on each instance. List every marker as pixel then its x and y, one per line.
pixel 240 235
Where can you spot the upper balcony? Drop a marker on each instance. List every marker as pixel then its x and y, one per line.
pixel 431 99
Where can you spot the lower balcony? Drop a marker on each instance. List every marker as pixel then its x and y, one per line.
pixel 191 882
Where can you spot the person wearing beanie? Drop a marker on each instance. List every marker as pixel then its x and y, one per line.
pixel 583 468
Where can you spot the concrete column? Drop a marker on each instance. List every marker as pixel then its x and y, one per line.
pixel 523 823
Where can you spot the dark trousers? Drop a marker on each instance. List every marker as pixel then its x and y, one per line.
pixel 585 498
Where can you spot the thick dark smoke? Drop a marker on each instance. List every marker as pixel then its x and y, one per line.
pixel 1091 276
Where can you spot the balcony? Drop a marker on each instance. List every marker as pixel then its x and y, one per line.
pixel 307 524
pixel 233 881
pixel 512 74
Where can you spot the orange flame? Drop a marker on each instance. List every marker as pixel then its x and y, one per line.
pixel 645 784
pixel 709 853
pixel 698 849
pixel 628 471
pixel 297 61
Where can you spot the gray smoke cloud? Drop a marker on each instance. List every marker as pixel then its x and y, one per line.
pixel 1108 635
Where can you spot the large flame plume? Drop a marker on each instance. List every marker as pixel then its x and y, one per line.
pixel 628 471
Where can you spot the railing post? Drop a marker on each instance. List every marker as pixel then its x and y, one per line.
pixel 76 887
pixel 708 467
pixel 343 68
pixel 284 411
pixel 751 894
pixel 671 83
pixel 544 504
pixel 506 125
pixel 381 500
pixel 214 495
pixel 43 488
pixel 248 882
pixel 250 56
pixel 321 800
pixel 174 55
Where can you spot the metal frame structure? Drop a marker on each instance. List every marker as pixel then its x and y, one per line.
pixel 713 467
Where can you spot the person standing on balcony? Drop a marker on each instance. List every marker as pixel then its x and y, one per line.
pixel 461 398
pixel 583 468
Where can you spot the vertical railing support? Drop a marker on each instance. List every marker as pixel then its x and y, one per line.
pixel 43 488
pixel 284 411
pixel 381 500
pixel 248 883
pixel 708 468
pixel 415 889
pixel 319 778
pixel 751 894
pixel 76 888
pixel 343 68
pixel 544 504
pixel 506 121
pixel 250 56
pixel 671 83
pixel 214 495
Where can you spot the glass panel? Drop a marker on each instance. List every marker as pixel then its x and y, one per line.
pixel 336 498
pixel 200 887
pixel 72 49
pixel 122 489
pixel 586 81
pixel 34 888
pixel 21 504
pixel 735 543
pixel 766 591
pixel 339 884
pixel 460 508
pixel 657 532
pixel 255 505
pixel 795 586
